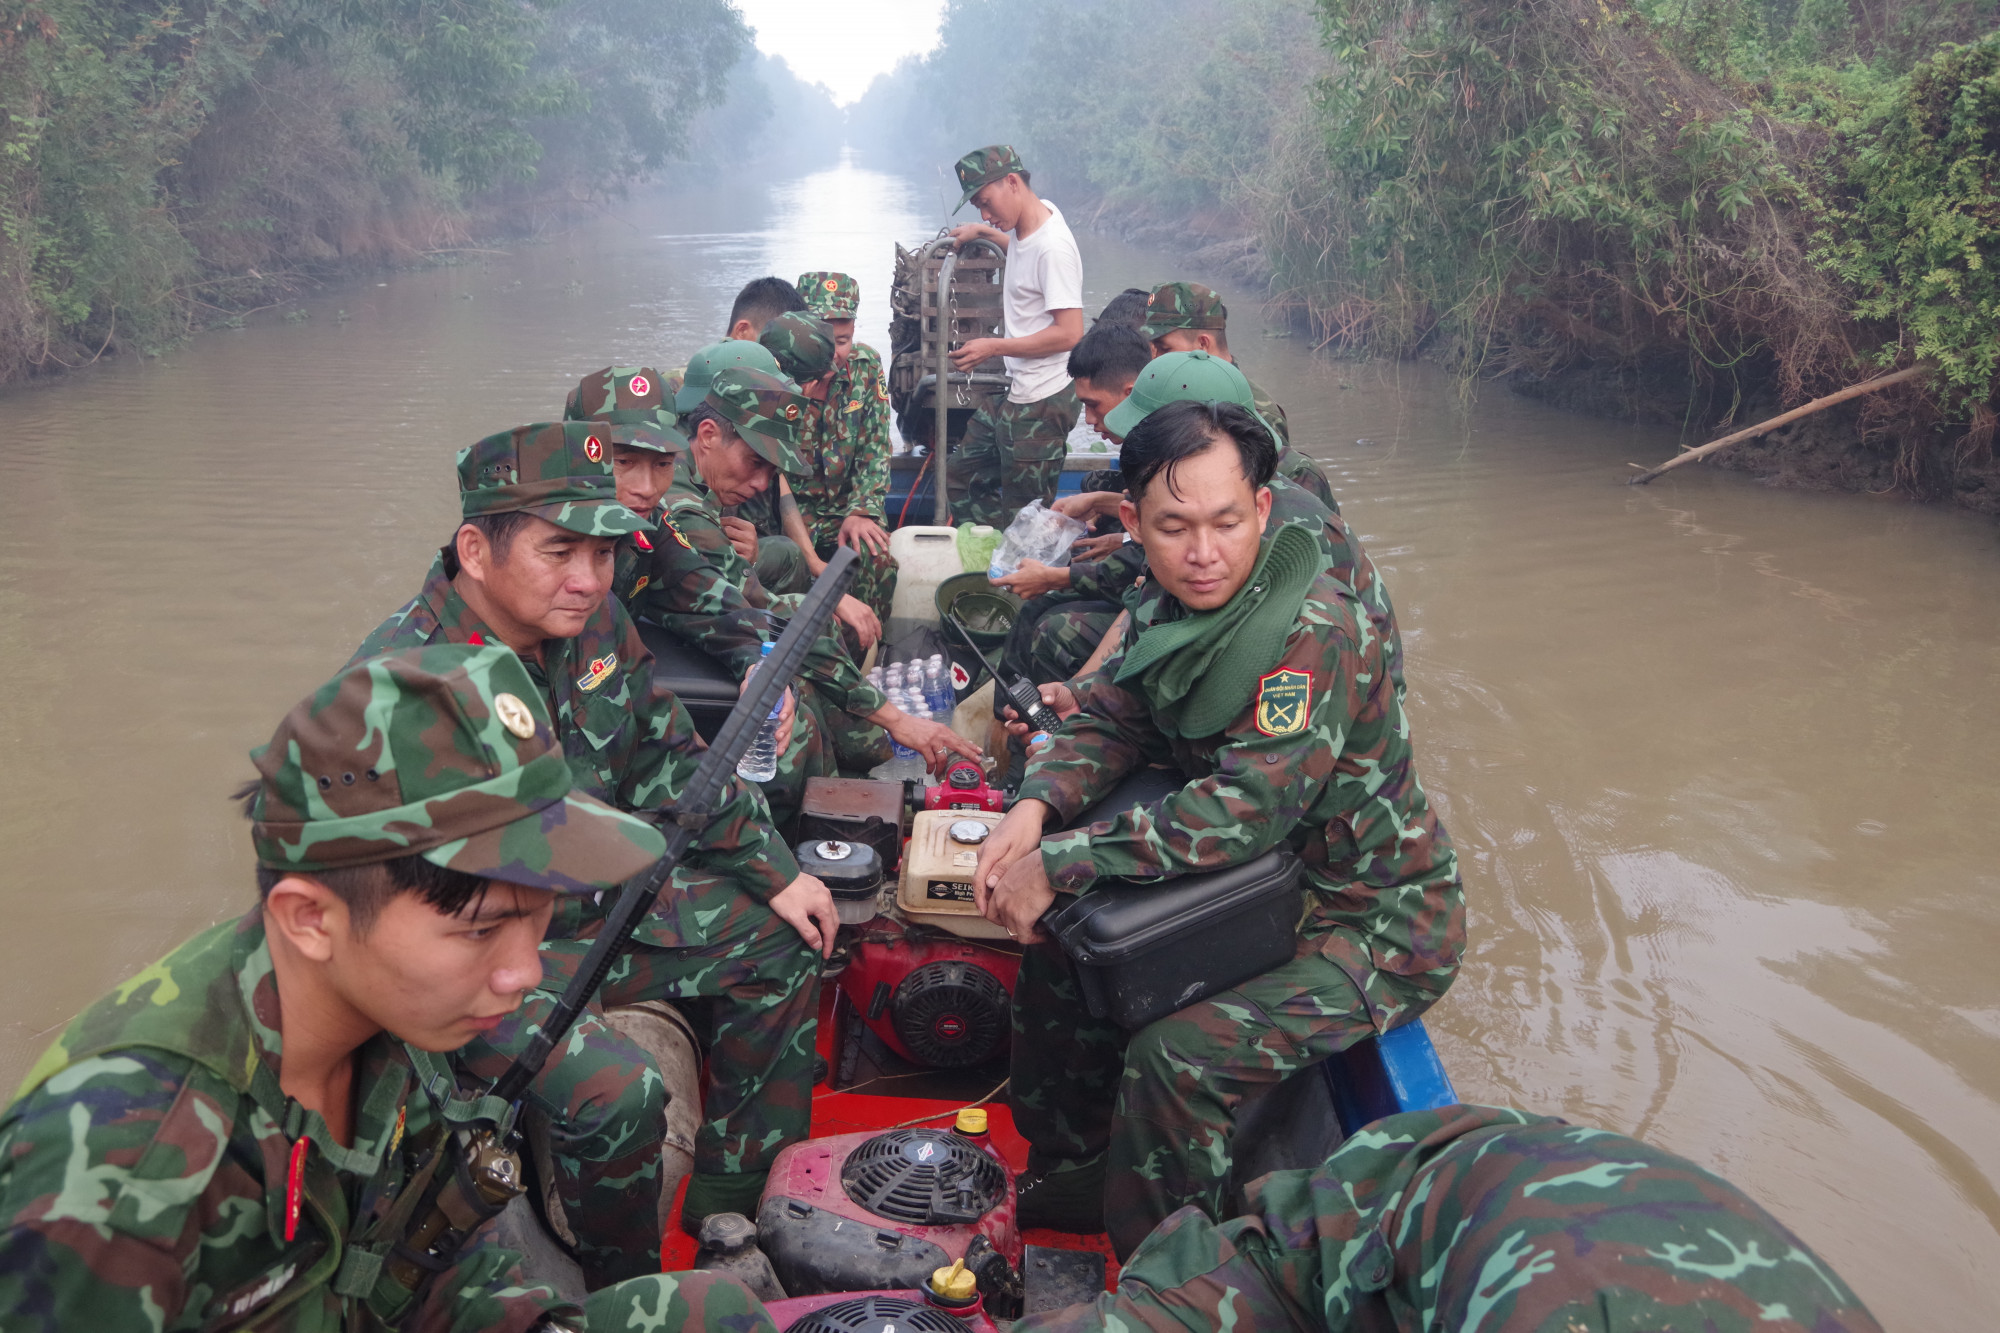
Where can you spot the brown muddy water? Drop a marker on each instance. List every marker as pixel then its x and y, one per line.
pixel 1720 761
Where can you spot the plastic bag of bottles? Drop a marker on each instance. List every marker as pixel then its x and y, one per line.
pixel 1036 533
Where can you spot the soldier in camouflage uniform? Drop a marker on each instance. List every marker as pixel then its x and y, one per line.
pixel 748 416
pixel 1256 671
pixel 223 1140
pixel 1188 317
pixel 1474 1217
pixel 844 492
pixel 1013 452
pixel 531 567
pixel 643 469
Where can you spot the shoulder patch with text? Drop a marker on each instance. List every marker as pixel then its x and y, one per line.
pixel 598 672
pixel 1284 699
pixel 668 525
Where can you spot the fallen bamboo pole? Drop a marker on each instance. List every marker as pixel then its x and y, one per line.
pixel 1782 419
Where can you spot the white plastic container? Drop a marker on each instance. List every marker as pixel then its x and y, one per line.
pixel 925 557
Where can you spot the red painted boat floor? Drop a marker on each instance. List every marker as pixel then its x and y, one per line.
pixel 851 1112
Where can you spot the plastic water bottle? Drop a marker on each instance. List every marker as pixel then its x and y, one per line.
pixel 937 686
pixel 760 762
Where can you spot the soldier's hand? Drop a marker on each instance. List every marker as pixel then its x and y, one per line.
pixel 1060 699
pixel 788 708
pixel 741 535
pixel 863 534
pixel 1014 837
pixel 971 231
pixel 1033 579
pixel 806 906
pixel 1086 505
pixel 1095 548
pixel 975 351
pixel 854 613
pixel 935 741
pixel 1017 902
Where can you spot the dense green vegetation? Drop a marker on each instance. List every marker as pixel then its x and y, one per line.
pixel 165 161
pixel 1709 205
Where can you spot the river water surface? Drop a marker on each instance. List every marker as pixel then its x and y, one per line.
pixel 1720 761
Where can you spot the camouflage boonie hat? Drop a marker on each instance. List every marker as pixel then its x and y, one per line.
pixel 983 166
pixel 1183 305
pixel 446 753
pixel 1182 377
pixel 703 366
pixel 802 343
pixel 557 470
pixel 627 396
pixel 766 412
pixel 830 295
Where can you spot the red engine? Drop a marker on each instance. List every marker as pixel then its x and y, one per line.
pixel 871 1312
pixel 882 1212
pixel 964 788
pixel 942 1003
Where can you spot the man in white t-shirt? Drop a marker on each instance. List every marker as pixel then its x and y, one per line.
pixel 1013 453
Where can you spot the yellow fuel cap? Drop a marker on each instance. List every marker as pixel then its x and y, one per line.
pixel 972 1120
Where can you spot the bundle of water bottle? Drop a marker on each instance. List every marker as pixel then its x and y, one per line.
pixel 920 686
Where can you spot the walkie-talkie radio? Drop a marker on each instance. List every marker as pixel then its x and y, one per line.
pixel 1027 700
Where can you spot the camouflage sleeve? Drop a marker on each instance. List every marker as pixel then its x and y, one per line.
pixel 691 517
pixel 869 488
pixel 486 1292
pixel 1261 787
pixel 1106 580
pixel 1095 747
pixel 740 841
pixel 686 595
pixel 104 1171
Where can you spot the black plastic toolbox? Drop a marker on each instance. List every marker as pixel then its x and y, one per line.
pixel 1144 950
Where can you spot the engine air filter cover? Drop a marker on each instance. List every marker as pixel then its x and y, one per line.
pixel 927 1177
pixel 878 1314
pixel 951 1014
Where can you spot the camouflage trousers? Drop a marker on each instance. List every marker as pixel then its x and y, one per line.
pixel 1474 1217
pixel 874 575
pixel 1159 1104
pixel 762 985
pixel 781 566
pixel 1063 640
pixel 1011 453
pixel 684 1302
pixel 608 1113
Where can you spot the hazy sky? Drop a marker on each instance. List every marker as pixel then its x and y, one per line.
pixel 845 45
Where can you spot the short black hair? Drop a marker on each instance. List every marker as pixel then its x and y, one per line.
pixel 692 418
pixel 1181 430
pixel 763 300
pixel 1109 353
pixel 1127 308
pixel 500 530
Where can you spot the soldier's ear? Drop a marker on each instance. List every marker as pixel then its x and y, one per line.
pixel 1128 514
pixel 307 915
pixel 1263 508
pixel 474 551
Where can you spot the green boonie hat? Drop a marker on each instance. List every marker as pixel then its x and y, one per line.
pixel 703 365
pixel 802 343
pixel 557 470
pixel 830 295
pixel 983 166
pixel 1181 377
pixel 1183 305
pixel 766 412
pixel 628 396
pixel 446 753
